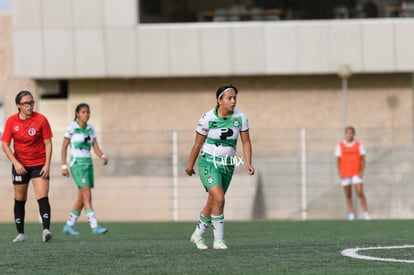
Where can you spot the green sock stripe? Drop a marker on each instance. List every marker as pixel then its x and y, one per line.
pixel 90 210
pixel 204 219
pixel 75 212
pixel 217 218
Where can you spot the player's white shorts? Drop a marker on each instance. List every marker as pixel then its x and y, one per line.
pixel 351 180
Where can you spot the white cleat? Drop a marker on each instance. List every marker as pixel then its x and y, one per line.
pixel 219 245
pixel 351 217
pixel 198 241
pixel 367 217
pixel 46 235
pixel 20 238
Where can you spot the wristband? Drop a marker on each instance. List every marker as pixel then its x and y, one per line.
pixel 64 166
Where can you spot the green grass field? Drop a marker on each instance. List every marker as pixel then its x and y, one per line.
pixel 273 247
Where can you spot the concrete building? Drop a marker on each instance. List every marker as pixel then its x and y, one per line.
pixel 143 81
pixel 100 49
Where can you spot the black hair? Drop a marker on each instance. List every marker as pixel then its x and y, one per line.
pixel 20 95
pixel 350 128
pixel 79 107
pixel 221 89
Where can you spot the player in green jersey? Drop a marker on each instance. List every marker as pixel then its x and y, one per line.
pixel 81 137
pixel 215 146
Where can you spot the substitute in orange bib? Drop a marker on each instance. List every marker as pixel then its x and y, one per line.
pixel 350 155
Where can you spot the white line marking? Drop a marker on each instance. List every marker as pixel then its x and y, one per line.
pixel 353 253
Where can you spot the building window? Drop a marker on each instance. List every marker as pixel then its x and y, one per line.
pixel 53 89
pixel 176 11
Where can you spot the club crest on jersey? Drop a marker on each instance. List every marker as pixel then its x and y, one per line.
pixel 31 131
pixel 236 123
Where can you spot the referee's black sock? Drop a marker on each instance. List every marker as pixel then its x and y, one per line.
pixel 19 213
pixel 44 210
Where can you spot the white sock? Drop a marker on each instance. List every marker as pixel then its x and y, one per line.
pixel 202 226
pixel 218 227
pixel 90 214
pixel 73 218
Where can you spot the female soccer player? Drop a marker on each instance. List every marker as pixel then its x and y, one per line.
pixel 32 146
pixel 216 137
pixel 81 136
pixel 350 155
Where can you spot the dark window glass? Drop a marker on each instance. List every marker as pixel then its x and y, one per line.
pixel 53 89
pixel 176 11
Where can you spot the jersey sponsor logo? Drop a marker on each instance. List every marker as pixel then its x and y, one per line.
pixel 212 124
pixel 210 180
pixel 31 131
pixel 225 133
pixel 87 139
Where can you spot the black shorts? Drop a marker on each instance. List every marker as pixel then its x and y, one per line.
pixel 32 172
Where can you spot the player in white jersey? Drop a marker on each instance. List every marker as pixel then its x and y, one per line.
pixel 215 146
pixel 81 137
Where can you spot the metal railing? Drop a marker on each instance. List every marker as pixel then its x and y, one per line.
pixel 296 176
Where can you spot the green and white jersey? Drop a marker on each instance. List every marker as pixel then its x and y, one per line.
pixel 221 134
pixel 81 140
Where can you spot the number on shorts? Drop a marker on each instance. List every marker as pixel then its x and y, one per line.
pixel 207 170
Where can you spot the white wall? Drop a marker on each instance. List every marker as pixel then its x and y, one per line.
pixel 93 38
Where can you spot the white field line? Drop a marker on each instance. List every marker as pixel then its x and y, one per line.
pixel 353 253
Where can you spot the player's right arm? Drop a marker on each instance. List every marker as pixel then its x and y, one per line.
pixel 6 140
pixel 362 153
pixel 198 143
pixel 17 165
pixel 338 159
pixel 65 144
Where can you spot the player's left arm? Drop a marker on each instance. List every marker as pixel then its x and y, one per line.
pixel 247 151
pixel 362 167
pixel 98 151
pixel 44 173
pixel 362 153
